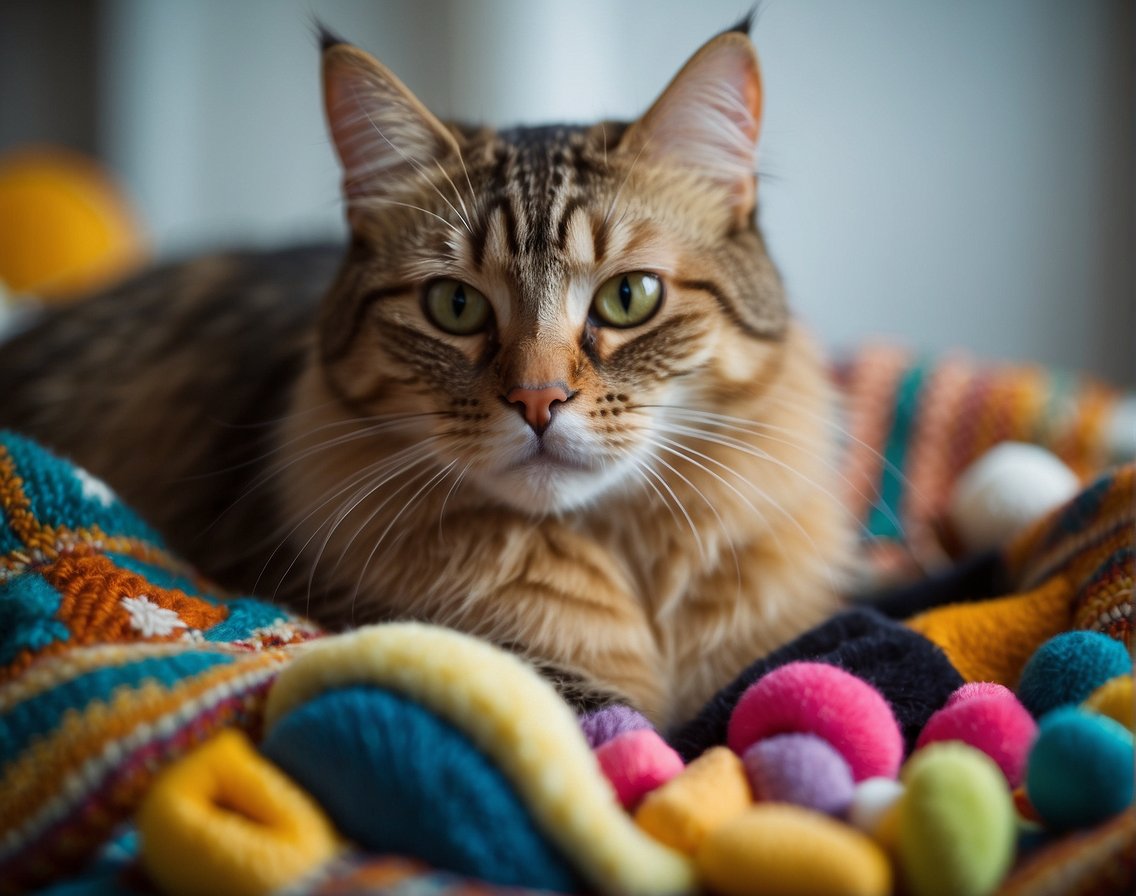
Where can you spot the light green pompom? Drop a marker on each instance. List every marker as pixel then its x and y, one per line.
pixel 956 822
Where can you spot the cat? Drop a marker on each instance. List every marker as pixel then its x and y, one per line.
pixel 552 394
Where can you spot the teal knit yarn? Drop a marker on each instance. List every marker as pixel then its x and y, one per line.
pixel 1068 667
pixel 61 495
pixel 396 778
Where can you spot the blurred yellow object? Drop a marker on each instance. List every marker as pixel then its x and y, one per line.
pixel 65 227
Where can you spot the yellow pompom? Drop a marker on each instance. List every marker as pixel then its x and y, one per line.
pixel 785 849
pixel 1114 699
pixel 224 820
pixel 65 228
pixel 711 791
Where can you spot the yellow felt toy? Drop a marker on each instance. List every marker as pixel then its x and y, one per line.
pixel 65 226
pixel 225 821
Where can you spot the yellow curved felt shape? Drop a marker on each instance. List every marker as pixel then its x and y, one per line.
pixel 1115 699
pixel 223 820
pixel 519 721
pixel 710 792
pixel 791 851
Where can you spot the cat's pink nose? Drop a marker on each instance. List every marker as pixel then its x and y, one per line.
pixel 536 404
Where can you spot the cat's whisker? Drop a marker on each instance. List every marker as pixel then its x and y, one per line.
pixel 872 498
pixel 369 472
pixel 418 166
pixel 446 500
pixel 642 468
pixel 765 456
pixel 623 183
pixel 400 469
pixel 690 454
pixel 274 422
pixel 468 182
pixel 702 553
pixel 464 214
pixel 368 199
pixel 678 450
pixel 424 489
pixel 272 471
pixel 845 434
pixel 282 446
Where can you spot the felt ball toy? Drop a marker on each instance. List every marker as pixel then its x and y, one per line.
pixel 1080 770
pixel 955 827
pixel 601 725
pixel 802 769
pixel 1115 699
pixel 990 719
pixel 711 791
pixel 1005 490
pixel 872 801
pixel 816 698
pixel 65 226
pixel 636 762
pixel 1068 668
pixel 224 820
pixel 974 689
pixel 792 851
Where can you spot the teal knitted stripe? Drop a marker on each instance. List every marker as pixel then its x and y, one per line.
pixel 40 715
pixel 882 524
pixel 61 495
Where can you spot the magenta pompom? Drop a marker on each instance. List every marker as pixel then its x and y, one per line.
pixel 816 698
pixel 989 718
pixel 973 689
pixel 802 769
pixel 636 762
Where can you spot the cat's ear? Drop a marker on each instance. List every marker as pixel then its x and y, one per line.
pixel 708 118
pixel 382 132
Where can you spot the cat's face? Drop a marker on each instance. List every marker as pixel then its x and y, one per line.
pixel 522 307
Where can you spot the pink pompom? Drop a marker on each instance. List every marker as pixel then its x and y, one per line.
pixel 979 689
pixel 636 762
pixel 820 699
pixel 993 721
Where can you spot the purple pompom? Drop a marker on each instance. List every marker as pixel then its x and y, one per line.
pixel 802 769
pixel 602 725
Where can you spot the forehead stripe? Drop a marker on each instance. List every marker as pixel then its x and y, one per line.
pixel 729 308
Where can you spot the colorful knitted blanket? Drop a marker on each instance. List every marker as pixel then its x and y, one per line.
pixel 160 736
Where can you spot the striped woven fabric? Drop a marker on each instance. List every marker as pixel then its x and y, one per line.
pixel 913 423
pixel 115 658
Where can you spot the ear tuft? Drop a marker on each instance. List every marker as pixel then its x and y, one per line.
pixel 708 118
pixel 326 37
pixel 381 131
pixel 745 23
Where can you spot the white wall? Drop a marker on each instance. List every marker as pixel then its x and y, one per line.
pixel 951 174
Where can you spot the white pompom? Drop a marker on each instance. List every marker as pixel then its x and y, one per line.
pixel 1120 432
pixel 1005 490
pixel 872 800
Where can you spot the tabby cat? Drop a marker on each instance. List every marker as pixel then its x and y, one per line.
pixel 552 394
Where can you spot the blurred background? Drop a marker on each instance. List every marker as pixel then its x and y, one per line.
pixel 943 174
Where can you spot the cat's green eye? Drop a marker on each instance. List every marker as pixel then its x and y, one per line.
pixel 628 300
pixel 456 307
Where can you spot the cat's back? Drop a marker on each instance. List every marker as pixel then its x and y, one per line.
pixel 166 386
